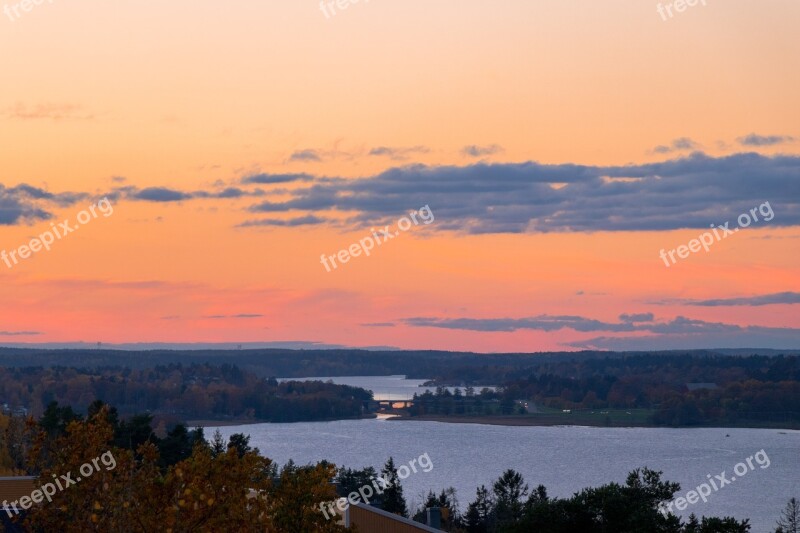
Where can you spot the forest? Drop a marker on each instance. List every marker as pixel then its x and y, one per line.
pixel 453 368
pixel 178 391
pixel 682 390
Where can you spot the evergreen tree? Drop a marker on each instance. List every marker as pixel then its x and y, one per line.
pixel 447 503
pixel 241 442
pixel 393 499
pixel 509 491
pixel 176 447
pixel 789 521
pixel 693 525
pixel 350 480
pixel 479 512
pixel 217 444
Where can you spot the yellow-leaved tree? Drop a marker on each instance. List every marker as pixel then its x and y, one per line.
pixel 208 492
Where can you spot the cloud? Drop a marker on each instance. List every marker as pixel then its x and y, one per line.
pixel 13 211
pixel 777 298
pixel 166 194
pixel 677 145
pixel 679 325
pixel 242 315
pixel 305 155
pixel 28 204
pixel 398 153
pixel 764 140
pixel 678 333
pixel 746 337
pixel 489 198
pixel 230 192
pixel 291 222
pixel 269 179
pixel 160 194
pixel 687 192
pixel 637 317
pixel 19 333
pixel 480 151
pixel 45 111
pixel 540 323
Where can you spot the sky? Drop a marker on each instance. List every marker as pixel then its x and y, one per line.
pixel 582 175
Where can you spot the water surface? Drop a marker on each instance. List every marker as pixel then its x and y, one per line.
pixel 563 458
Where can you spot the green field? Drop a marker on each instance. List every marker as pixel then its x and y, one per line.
pixel 595 417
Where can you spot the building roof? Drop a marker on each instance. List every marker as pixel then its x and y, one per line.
pixel 370 519
pixel 14 488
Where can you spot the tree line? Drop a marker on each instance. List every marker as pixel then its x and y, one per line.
pixel 679 390
pixel 510 505
pixel 181 391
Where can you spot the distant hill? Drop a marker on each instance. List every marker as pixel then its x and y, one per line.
pixel 328 362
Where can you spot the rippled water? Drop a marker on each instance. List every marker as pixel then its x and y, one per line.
pixel 564 459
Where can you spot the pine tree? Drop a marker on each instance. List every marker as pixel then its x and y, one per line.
pixel 693 525
pixel 217 444
pixel 789 521
pixel 509 491
pixel 479 512
pixel 393 499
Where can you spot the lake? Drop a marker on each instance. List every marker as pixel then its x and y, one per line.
pixel 563 458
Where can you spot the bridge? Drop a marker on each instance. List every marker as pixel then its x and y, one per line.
pixel 387 405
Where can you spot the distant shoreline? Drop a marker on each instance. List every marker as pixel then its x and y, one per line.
pixel 249 421
pixel 505 421
pixel 532 421
pixel 511 421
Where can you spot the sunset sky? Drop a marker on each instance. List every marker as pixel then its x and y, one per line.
pixel 559 144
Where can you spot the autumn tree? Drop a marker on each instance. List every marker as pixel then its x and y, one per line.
pixel 107 488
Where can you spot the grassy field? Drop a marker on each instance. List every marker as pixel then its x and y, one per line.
pixel 596 417
pixel 584 417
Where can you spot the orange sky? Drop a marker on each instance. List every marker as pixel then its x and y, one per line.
pixel 162 107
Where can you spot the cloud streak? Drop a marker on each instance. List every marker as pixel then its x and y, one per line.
pixel 688 192
pixel 677 145
pixel 309 220
pixel 474 150
pixel 678 333
pixel 764 140
pixel 778 298
pixel 679 325
pixel 306 155
pixel 398 153
pixel 23 203
pixel 490 198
